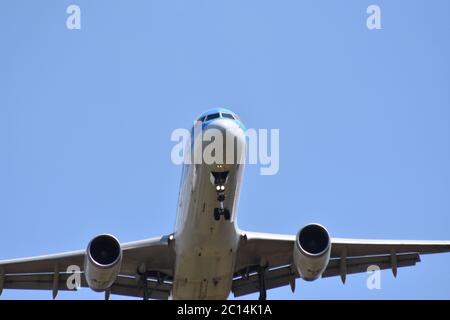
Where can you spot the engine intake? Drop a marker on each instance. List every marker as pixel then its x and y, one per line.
pixel 103 261
pixel 312 251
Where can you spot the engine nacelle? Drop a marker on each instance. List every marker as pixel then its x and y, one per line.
pixel 312 251
pixel 102 262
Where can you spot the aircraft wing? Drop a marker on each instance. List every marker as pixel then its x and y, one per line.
pixel 51 272
pixel 347 256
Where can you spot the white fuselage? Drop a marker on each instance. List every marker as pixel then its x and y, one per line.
pixel 206 248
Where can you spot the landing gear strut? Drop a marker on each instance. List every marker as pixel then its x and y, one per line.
pixel 143 279
pixel 219 182
pixel 262 284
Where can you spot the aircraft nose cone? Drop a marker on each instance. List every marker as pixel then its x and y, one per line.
pixel 223 139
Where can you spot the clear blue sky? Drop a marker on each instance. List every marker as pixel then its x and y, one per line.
pixel 364 119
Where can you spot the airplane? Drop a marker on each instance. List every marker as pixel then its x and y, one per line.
pixel 208 256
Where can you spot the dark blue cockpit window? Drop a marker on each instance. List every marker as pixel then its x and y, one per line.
pixel 227 115
pixel 212 116
pixel 218 115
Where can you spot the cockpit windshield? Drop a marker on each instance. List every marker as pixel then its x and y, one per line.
pixel 212 116
pixel 227 115
pixel 217 115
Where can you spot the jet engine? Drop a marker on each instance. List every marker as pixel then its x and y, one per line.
pixel 312 251
pixel 102 262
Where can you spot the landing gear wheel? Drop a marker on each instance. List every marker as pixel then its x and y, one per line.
pixel 217 214
pixel 226 214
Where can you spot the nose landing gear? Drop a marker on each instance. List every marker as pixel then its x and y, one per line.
pixel 219 212
pixel 219 182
